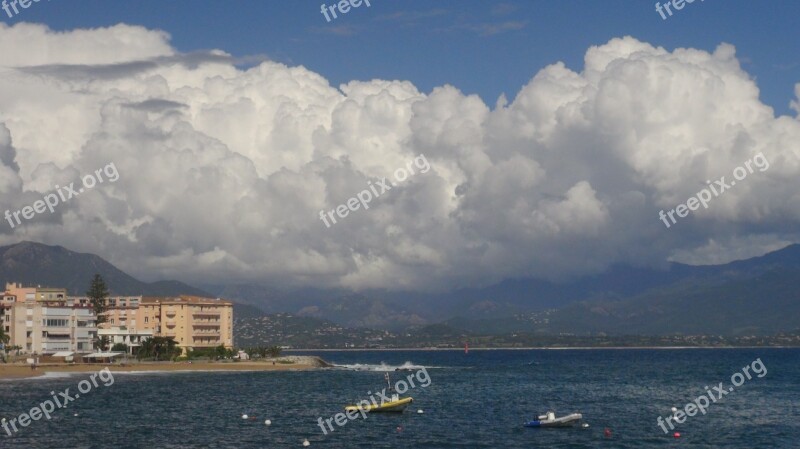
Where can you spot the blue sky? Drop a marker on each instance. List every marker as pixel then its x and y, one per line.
pixel 539 188
pixel 480 47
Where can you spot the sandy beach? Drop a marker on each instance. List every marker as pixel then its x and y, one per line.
pixel 21 371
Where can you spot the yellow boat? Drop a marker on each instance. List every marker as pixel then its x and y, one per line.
pixel 396 405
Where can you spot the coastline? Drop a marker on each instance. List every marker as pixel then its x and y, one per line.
pixel 298 363
pixel 542 348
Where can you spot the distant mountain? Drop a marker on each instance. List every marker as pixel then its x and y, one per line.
pixel 342 307
pixel 760 295
pixel 754 295
pixel 757 296
pixel 33 263
pixel 761 302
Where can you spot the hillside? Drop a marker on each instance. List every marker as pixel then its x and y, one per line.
pixel 54 266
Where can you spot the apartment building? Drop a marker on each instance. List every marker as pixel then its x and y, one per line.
pixel 194 322
pixel 6 320
pixel 42 320
pixel 38 293
pixel 45 320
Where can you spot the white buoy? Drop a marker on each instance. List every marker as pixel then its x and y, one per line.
pixel 674 409
pixel 268 422
pixel 420 411
pixel 306 443
pixel 245 416
pixel 585 425
pixel 75 414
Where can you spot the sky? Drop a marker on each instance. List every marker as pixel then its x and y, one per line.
pixel 537 138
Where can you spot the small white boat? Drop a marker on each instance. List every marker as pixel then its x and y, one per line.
pixel 550 420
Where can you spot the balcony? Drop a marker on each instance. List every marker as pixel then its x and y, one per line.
pixel 206 323
pixel 170 323
pixel 170 312
pixel 51 336
pixel 206 313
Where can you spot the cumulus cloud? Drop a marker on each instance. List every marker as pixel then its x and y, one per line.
pixel 224 170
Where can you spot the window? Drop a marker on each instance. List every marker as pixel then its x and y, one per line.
pixel 146 319
pixel 56 323
pixel 112 320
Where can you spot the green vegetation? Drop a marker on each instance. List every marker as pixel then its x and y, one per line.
pixel 98 294
pixel 159 348
pixel 216 353
pixel 119 347
pixel 263 352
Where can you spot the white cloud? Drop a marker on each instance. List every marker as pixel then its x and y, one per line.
pixel 223 171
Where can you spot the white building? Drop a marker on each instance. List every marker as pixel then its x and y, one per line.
pixel 130 337
pixel 47 327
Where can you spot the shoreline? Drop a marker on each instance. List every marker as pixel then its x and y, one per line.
pixel 17 371
pixel 542 348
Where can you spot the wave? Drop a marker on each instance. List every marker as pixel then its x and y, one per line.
pixel 383 366
pixel 45 376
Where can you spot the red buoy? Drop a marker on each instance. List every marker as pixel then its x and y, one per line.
pixel 676 434
pixel 607 432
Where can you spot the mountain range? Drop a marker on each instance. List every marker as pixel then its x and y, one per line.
pixel 754 296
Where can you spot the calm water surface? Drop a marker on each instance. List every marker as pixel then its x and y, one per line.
pixel 479 400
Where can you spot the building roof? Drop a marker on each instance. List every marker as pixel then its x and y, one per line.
pixel 185 299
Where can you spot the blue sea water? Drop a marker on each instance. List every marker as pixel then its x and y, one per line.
pixel 475 400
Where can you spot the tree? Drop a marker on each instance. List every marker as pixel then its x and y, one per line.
pixel 159 348
pixel 119 347
pixel 98 296
pixel 274 351
pixel 219 351
pixel 4 338
pixel 101 343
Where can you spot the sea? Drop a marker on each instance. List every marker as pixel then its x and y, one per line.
pixel 479 399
